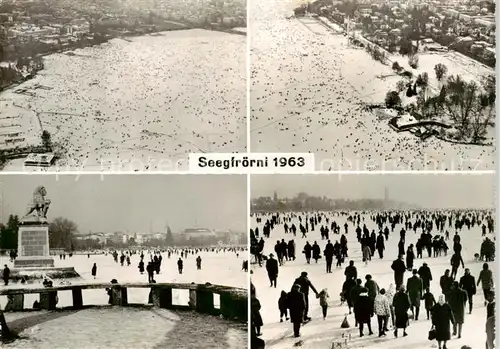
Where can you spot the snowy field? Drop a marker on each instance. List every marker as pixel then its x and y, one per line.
pixel 141 103
pixel 307 91
pixel 319 334
pixel 133 327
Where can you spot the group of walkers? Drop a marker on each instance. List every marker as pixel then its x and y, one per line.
pixel 153 266
pixel 399 303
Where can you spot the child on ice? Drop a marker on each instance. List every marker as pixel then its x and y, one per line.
pixel 323 301
pixel 282 304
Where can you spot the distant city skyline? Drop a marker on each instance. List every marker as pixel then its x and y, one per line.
pixel 425 191
pixel 131 203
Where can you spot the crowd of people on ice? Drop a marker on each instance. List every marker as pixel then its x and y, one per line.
pixel 400 302
pixel 154 264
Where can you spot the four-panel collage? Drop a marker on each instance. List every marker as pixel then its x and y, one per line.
pixel 233 174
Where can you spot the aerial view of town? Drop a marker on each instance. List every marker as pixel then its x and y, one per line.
pixel 371 85
pixel 132 85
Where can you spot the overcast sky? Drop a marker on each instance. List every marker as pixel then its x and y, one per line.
pixel 134 203
pixel 426 191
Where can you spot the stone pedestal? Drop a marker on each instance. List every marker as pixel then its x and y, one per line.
pixel 33 246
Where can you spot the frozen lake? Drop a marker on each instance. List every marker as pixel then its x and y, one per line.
pixel 128 328
pixel 227 265
pixel 308 88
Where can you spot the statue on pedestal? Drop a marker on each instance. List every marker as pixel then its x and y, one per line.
pixel 37 209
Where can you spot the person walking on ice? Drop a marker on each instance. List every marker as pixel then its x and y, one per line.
pixel 180 265
pixel 296 304
pixel 382 309
pixel 305 284
pixel 401 304
pixel 94 270
pixel 442 315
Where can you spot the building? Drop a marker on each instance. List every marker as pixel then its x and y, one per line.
pixel 198 233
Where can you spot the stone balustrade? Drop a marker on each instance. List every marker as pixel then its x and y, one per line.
pixel 233 301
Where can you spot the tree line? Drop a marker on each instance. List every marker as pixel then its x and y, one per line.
pixel 467 105
pixel 61 233
pixel 303 202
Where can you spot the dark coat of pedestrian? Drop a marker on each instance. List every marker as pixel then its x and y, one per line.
pixel 468 283
pixel 363 309
pixel 425 273
pixel 355 291
pixel 297 305
pixel 305 284
pixel 415 289
pixel 399 268
pixel 256 317
pixel 490 332
pixel 457 301
pixel 347 287
pixel 401 304
pixel 372 287
pixel 272 269
pixel 6 275
pixel 350 271
pixel 445 282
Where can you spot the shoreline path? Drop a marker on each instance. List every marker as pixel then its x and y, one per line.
pixel 138 328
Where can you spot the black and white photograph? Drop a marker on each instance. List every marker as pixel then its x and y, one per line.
pixel 373 261
pixel 120 85
pixel 123 261
pixel 369 85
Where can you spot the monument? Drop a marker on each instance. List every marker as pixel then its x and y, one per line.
pixel 33 251
pixel 33 236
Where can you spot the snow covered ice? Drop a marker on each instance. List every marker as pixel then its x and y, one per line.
pixel 139 104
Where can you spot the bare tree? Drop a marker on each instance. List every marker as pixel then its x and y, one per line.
pixel 61 232
pixel 413 61
pixel 440 70
pixel 401 85
pixel 480 122
pixel 468 108
pixel 392 99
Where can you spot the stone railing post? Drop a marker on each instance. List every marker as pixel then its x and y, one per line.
pixel 234 306
pixel 15 302
pixel 205 300
pixel 77 297
pixel 241 307
pixel 192 299
pixel 226 305
pixel 48 300
pixel 119 295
